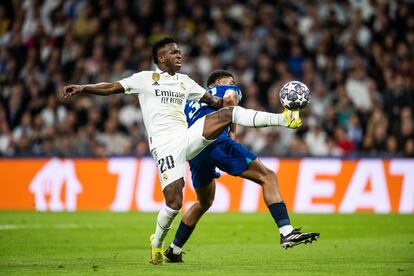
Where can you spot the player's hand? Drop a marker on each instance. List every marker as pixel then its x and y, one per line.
pixel 71 90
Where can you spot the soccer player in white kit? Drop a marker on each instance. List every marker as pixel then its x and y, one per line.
pixel 162 94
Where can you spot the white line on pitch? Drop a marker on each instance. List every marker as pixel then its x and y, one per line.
pixel 43 226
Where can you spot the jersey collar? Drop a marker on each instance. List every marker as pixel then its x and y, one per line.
pixel 164 73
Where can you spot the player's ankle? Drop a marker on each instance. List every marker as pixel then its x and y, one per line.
pixel 176 249
pixel 286 230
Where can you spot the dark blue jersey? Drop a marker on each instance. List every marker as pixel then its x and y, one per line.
pixel 196 110
pixel 224 153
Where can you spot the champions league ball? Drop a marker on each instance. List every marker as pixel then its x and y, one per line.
pixel 294 95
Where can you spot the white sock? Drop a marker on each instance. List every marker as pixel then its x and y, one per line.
pixel 164 220
pixel 257 119
pixel 285 230
pixel 176 249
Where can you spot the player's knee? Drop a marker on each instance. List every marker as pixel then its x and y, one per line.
pixel 174 200
pixel 173 194
pixel 174 204
pixel 269 177
pixel 206 204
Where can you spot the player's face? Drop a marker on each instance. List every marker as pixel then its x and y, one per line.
pixel 225 81
pixel 170 57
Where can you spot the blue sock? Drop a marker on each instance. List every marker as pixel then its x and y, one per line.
pixel 279 213
pixel 183 234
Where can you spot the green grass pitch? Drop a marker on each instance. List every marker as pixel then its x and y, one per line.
pixel 222 244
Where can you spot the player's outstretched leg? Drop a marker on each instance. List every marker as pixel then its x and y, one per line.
pixel 205 197
pixel 216 122
pixel 259 119
pixel 263 176
pixel 173 195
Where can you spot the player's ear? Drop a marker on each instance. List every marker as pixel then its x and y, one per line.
pixel 161 55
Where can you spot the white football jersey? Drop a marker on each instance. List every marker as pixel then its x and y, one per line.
pixel 162 98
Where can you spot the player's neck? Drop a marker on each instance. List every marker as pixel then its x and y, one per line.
pixel 164 68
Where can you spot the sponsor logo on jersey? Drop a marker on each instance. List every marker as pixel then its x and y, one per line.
pixel 170 97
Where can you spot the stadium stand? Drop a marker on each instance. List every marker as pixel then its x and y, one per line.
pixel 356 56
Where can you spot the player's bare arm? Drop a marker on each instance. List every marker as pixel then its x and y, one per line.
pixel 103 88
pixel 230 99
pixel 210 100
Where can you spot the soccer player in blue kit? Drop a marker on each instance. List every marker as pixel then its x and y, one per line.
pixel 235 159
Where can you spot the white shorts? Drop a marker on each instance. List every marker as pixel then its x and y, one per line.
pixel 172 153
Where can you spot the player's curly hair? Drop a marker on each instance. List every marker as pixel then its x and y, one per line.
pixel 216 75
pixel 158 45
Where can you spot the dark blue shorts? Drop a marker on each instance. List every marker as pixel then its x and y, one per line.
pixel 225 154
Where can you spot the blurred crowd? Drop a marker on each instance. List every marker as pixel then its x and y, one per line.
pixel 356 56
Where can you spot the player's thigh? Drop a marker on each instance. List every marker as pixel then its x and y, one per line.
pixel 231 156
pixel 196 142
pixel 217 122
pixel 203 171
pixel 169 156
pixel 205 195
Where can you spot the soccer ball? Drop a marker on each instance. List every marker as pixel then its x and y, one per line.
pixel 294 95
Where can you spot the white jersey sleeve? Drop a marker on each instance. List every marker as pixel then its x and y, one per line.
pixel 133 84
pixel 196 92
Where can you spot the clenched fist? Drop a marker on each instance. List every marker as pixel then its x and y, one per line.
pixel 71 90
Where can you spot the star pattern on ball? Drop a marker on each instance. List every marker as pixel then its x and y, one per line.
pixel 294 95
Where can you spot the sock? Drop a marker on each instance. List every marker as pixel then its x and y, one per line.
pixel 285 230
pixel 257 119
pixel 280 215
pixel 164 220
pixel 183 234
pixel 176 249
